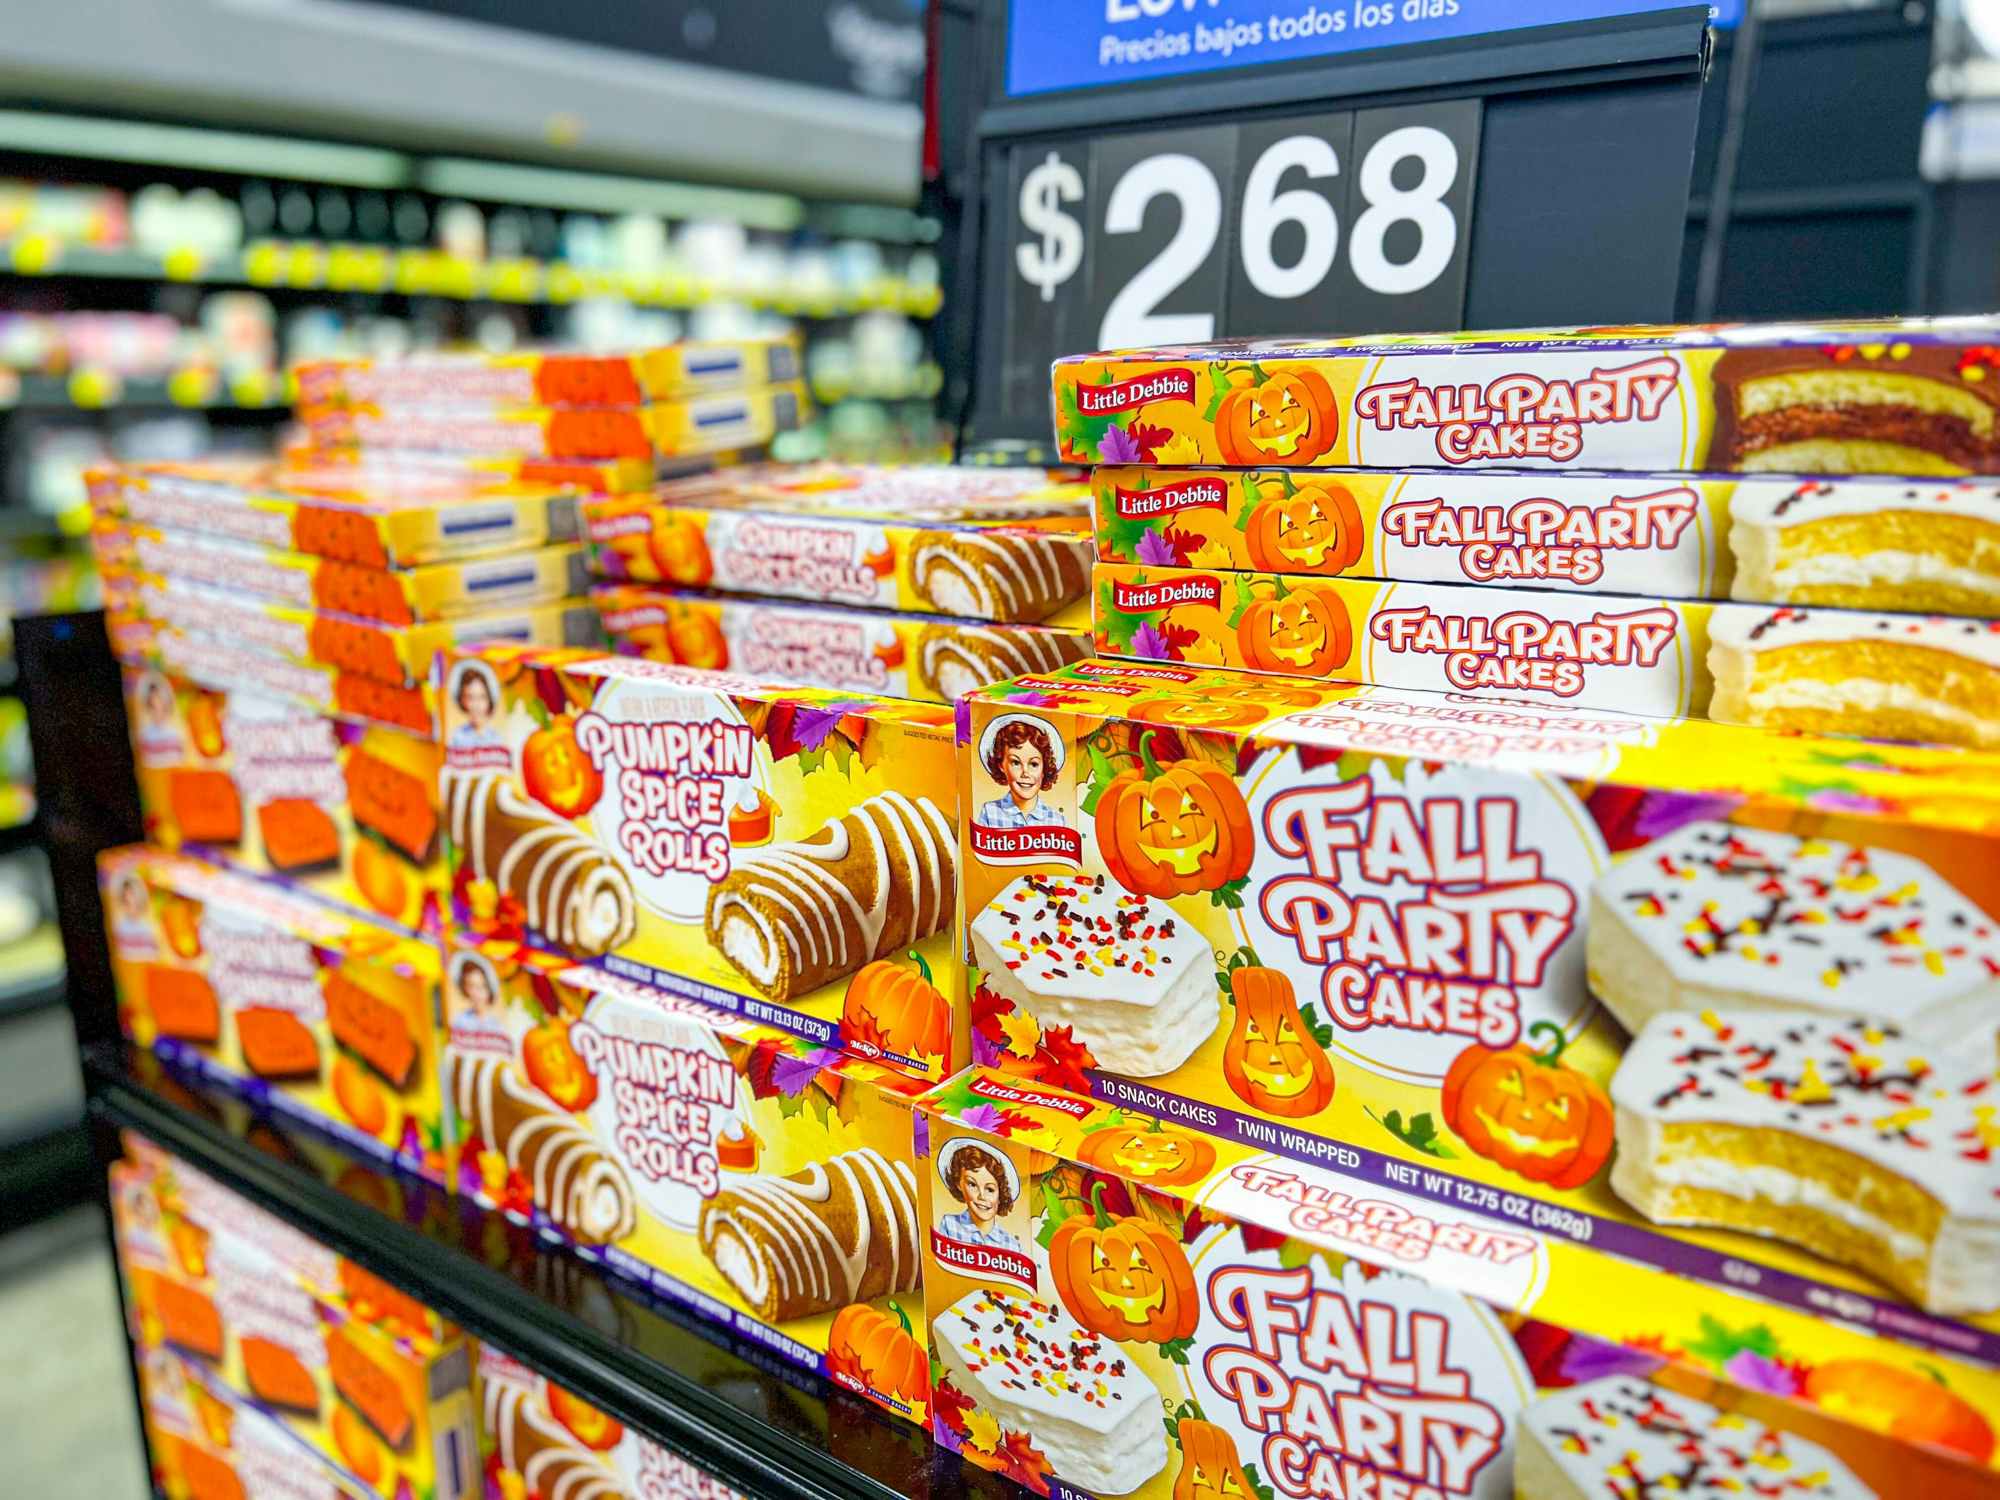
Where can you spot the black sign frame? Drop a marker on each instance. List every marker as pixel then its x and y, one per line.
pixel 1586 145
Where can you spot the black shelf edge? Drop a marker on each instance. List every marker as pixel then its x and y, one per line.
pixel 701 1427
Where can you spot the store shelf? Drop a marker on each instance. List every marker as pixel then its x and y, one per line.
pixel 737 1411
pixel 192 389
pixel 306 265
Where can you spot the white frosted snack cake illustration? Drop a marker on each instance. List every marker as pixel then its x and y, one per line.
pixel 1020 561
pixel 1933 678
pixel 1436 930
pixel 1118 1307
pixel 789 854
pixel 935 658
pixel 742 1171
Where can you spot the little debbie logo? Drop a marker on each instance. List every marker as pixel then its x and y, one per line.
pixel 1122 395
pixel 1143 598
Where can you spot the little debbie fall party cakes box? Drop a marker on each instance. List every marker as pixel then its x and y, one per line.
pixel 1119 1306
pixel 1703 996
pixel 757 1177
pixel 788 854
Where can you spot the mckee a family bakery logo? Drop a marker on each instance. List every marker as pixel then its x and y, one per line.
pixel 1540 539
pixel 1518 415
pixel 1122 395
pixel 1347 1390
pixel 1523 651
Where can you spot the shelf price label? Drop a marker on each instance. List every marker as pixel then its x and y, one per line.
pixel 1342 222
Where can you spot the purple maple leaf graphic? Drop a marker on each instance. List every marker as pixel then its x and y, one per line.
pixel 1663 812
pixel 1157 552
pixel 1588 1359
pixel 1146 641
pixel 813 726
pixel 961 720
pixel 1755 1372
pixel 980 1117
pixel 984 1053
pixel 793 1071
pixel 1117 447
pixel 920 1134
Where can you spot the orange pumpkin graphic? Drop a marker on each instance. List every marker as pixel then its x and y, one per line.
pixel 1155 1153
pixel 1174 829
pixel 1272 1061
pixel 1525 1111
pixel 1907 1406
pixel 596 1430
pixel 898 1010
pixel 1123 1278
pixel 1304 632
pixel 358 1096
pixel 553 1067
pixel 1210 1469
pixel 1316 529
pixel 1290 416
pixel 1262 691
pixel 680 550
pixel 695 639
pixel 180 924
pixel 379 876
pixel 1196 713
pixel 556 772
pixel 204 724
pixel 879 1352
pixel 355 1444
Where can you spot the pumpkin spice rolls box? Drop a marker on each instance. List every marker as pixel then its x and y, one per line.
pixel 1862 542
pixel 1914 397
pixel 1119 1306
pixel 325 1016
pixel 1001 561
pixel 340 808
pixel 759 1178
pixel 1614 977
pixel 784 853
pixel 931 657
pixel 1829 671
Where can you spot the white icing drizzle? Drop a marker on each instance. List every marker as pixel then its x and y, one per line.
pixel 989 655
pixel 1010 575
pixel 573 1181
pixel 558 875
pixel 553 1465
pixel 786 1223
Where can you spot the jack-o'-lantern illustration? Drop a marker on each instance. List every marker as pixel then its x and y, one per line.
pixel 180 925
pixel 877 1351
pixel 1210 1469
pixel 556 772
pixel 596 1430
pixel 1305 633
pixel 695 639
pixel 680 550
pixel 204 724
pixel 1271 695
pixel 1909 1407
pixel 1525 1111
pixel 1317 529
pixel 1123 1278
pixel 360 1098
pixel 553 1066
pixel 1175 829
pixel 1154 1152
pixel 1291 416
pixel 1195 713
pixel 897 1010
pixel 1272 1061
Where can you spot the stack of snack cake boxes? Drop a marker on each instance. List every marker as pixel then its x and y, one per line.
pixel 277 623
pixel 314 1378
pixel 908 582
pixel 705 892
pixel 1489 1090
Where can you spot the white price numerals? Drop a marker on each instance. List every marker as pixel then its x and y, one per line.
pixel 1130 318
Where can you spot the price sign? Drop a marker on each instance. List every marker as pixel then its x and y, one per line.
pixel 1345 221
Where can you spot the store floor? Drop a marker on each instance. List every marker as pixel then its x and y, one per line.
pixel 67 1423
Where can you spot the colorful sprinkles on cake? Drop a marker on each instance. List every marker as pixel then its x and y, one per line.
pixel 1020 1346
pixel 1055 930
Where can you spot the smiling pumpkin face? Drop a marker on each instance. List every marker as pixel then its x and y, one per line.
pixel 1210 1469
pixel 1196 713
pixel 1123 1278
pixel 1528 1113
pixel 1305 633
pixel 1157 1154
pixel 1175 829
pixel 1272 1061
pixel 1290 416
pixel 1317 529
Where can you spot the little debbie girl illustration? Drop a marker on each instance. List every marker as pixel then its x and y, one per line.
pixel 985 1185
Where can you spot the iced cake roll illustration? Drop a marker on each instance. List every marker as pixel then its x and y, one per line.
pixel 1133 982
pixel 533 1444
pixel 955 659
pixel 1037 1370
pixel 1826 671
pixel 574 1182
pixel 1902 408
pixel 1847 1138
pixel 1622 1436
pixel 794 916
pixel 569 889
pixel 1872 545
pixel 1727 918
pixel 833 1233
pixel 1014 576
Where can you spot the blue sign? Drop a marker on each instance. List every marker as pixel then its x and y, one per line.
pixel 1073 44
